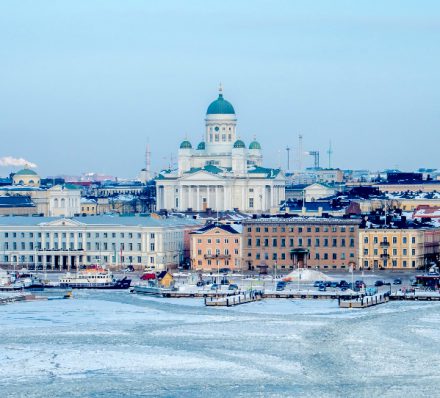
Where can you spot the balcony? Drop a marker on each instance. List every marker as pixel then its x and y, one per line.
pixel 217 256
pixel 384 256
pixel 384 244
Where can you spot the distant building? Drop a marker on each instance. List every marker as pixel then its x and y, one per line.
pixel 221 173
pixel 216 246
pixel 27 178
pixel 57 201
pixel 398 248
pixel 286 243
pixel 114 241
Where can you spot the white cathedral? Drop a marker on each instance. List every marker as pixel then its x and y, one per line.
pixel 221 173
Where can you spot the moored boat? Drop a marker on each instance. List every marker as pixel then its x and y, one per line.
pixel 93 278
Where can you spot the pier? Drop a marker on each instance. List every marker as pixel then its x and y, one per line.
pixel 365 301
pixel 233 300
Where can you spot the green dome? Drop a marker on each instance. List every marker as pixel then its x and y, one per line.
pixel 239 144
pixel 26 172
pixel 201 146
pixel 254 145
pixel 220 107
pixel 185 145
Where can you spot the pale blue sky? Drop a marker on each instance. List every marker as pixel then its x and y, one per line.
pixel 85 83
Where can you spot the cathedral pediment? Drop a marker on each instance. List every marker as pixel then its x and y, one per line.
pixel 200 175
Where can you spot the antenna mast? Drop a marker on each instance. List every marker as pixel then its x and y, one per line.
pixel 148 162
pixel 330 152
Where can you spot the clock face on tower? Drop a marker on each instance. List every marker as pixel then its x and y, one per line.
pixel 216 128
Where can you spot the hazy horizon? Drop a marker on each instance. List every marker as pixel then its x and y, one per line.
pixel 86 84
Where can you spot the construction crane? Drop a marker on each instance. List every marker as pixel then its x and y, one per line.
pixel 315 155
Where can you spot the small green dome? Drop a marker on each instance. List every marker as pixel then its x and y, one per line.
pixel 239 144
pixel 254 145
pixel 185 145
pixel 220 107
pixel 26 172
pixel 201 146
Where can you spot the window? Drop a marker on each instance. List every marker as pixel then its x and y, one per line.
pixel 413 252
pixel 394 262
pixel 274 242
pixel 257 229
pixel 309 242
pixel 291 242
pixel 375 240
pixel 274 256
pixel 334 256
pixel 300 242
pixel 413 239
pixel 351 242
pixel 249 229
pixel 404 263
pixel 325 256
pixel 309 229
pixel 405 252
pixel 258 242
pixel 334 242
pixel 394 252
pixel 257 256
pixel 342 256
pixel 316 256
pixel 283 242
pixel 394 239
pixel 266 242
pixel 316 229
pixel 249 242
pixel 404 239
pixel 325 242
pixel 251 203
pixel 343 242
pixel 152 247
pixel 365 252
pixel 343 229
pixel 317 242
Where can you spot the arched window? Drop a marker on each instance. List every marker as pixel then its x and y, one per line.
pixel 55 203
pixel 63 203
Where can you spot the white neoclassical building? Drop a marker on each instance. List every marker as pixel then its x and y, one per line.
pixel 221 173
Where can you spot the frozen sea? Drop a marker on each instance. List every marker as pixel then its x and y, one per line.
pixel 116 344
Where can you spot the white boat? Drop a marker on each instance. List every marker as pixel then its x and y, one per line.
pixel 93 277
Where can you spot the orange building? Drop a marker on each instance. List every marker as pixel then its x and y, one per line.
pixel 216 246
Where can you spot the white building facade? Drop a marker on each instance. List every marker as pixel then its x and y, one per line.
pixel 113 241
pixel 221 173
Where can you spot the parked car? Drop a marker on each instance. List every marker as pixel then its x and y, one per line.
pixel 378 283
pixel 334 284
pixel 200 283
pixel 215 286
pixel 343 283
pixel 327 283
pixel 129 268
pixel 397 281
pixel 233 286
pixel 359 283
pixel 322 287
pixel 281 285
pixel 317 283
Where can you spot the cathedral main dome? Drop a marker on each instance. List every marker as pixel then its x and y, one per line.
pixel 220 107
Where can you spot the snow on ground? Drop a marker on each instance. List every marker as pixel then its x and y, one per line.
pixel 117 344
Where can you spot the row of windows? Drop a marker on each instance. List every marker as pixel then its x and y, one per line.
pixel 63 246
pixel 394 252
pixel 394 263
pixel 266 242
pixel 217 240
pixel 318 256
pixel 302 229
pixel 31 258
pixel 217 251
pixel 394 240
pixel 71 234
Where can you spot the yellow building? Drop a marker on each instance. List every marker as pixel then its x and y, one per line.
pixel 396 248
pixel 88 206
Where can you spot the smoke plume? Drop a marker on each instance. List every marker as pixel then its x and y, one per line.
pixel 10 161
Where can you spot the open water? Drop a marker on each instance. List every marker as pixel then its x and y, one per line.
pixel 102 344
